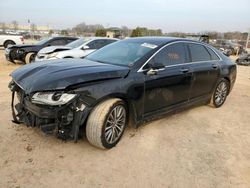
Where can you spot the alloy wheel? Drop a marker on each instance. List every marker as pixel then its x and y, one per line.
pixel 115 124
pixel 221 93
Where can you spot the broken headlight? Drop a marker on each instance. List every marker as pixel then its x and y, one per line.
pixel 52 98
pixel 52 55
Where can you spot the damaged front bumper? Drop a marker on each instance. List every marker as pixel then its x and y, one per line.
pixel 64 120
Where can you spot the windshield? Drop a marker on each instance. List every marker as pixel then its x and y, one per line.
pixel 43 41
pixel 121 53
pixel 78 42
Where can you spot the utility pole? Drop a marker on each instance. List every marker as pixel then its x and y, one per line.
pixel 248 35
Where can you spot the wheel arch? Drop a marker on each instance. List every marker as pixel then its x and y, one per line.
pixel 131 110
pixel 8 40
pixel 229 81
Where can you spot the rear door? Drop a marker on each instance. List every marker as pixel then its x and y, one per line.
pixel 171 85
pixel 205 65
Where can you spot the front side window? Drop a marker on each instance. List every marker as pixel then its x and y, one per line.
pixel 93 44
pixel 171 55
pixel 97 44
pixel 198 53
pixel 78 42
pixel 100 43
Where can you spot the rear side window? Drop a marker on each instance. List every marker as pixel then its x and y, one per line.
pixel 213 55
pixel 171 55
pixel 109 41
pixel 198 53
pixel 58 42
pixel 69 40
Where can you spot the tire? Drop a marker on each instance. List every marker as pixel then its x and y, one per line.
pixel 100 130
pixel 11 56
pixel 220 93
pixel 8 43
pixel 30 57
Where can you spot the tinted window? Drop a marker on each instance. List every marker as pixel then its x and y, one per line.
pixel 70 40
pixel 213 55
pixel 198 52
pixel 171 55
pixel 96 44
pixel 58 42
pixel 109 41
pixel 78 42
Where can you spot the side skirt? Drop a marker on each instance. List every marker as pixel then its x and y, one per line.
pixel 175 109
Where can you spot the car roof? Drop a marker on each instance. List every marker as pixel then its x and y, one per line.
pixel 63 37
pixel 158 40
pixel 92 38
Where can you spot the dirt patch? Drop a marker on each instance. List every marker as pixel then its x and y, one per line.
pixel 201 147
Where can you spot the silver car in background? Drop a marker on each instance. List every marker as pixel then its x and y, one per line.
pixel 77 49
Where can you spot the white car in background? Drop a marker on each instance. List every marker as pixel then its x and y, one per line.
pixel 9 40
pixel 77 49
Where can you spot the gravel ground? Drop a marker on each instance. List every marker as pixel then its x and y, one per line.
pixel 201 147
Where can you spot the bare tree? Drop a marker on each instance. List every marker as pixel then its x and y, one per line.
pixel 15 25
pixel 84 28
pixel 126 31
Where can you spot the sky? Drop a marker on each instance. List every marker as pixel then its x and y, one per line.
pixel 168 15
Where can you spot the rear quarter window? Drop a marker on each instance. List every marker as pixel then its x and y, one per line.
pixel 198 53
pixel 213 55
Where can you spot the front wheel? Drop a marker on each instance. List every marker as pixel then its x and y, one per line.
pixel 106 123
pixel 30 58
pixel 220 93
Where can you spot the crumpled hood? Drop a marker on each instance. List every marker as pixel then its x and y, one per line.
pixel 51 49
pixel 59 74
pixel 22 46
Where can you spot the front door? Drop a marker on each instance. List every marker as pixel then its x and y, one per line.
pixel 170 85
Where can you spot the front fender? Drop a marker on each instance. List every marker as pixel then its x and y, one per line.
pixel 127 89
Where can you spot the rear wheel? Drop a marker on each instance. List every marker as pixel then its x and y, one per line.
pixel 8 43
pixel 220 93
pixel 106 123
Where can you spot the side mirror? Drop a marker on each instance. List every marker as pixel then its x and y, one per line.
pixel 85 47
pixel 155 68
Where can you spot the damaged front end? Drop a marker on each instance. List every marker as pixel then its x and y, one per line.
pixel 57 113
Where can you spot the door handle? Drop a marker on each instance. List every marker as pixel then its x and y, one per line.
pixel 184 70
pixel 215 66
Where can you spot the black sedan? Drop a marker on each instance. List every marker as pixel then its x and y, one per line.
pixel 133 80
pixel 27 53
